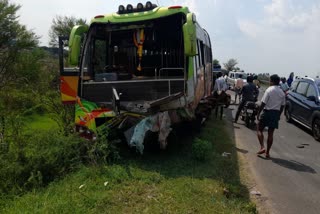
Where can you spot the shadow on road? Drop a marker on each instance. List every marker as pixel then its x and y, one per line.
pixel 291 164
pixel 242 150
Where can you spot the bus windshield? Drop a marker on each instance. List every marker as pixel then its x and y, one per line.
pixel 128 51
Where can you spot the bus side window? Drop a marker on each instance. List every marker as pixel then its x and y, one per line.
pixel 202 53
pixel 199 53
pixel 196 65
pixel 197 57
pixel 194 68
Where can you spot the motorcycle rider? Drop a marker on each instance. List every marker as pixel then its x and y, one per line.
pixel 249 93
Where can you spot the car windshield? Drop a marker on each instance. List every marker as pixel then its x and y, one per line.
pixel 244 76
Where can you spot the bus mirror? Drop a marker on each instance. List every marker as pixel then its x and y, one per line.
pixel 75 50
pixel 189 36
pixel 75 43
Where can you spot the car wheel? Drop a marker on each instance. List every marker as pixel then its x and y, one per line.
pixel 316 129
pixel 288 115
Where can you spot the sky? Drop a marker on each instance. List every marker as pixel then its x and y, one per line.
pixel 264 36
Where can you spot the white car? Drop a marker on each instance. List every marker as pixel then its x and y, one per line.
pixel 235 75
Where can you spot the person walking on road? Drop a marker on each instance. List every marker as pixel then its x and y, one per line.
pixel 238 87
pixel 272 105
pixel 249 93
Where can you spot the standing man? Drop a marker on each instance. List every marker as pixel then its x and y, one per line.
pixel 290 79
pixel 249 93
pixel 283 85
pixel 220 84
pixel 272 105
pixel 257 83
pixel 238 87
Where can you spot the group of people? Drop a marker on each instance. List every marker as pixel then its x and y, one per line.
pixel 271 107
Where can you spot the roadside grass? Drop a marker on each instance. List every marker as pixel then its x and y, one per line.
pixel 39 122
pixel 169 181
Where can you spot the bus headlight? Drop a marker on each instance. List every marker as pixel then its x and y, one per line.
pixel 121 9
pixel 129 8
pixel 148 5
pixel 140 6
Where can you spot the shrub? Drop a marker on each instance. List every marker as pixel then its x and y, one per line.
pixel 63 115
pixel 17 101
pixel 34 161
pixel 201 149
pixel 103 149
pixel 50 155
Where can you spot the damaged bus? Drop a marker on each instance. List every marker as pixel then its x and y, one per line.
pixel 139 69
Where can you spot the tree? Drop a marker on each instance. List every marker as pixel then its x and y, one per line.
pixel 230 65
pixel 14 39
pixel 62 26
pixel 215 62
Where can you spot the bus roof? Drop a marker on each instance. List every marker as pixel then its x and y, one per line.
pixel 155 13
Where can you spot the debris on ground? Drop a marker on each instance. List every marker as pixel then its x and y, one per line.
pixel 160 122
pixel 226 154
pixel 226 192
pixel 254 192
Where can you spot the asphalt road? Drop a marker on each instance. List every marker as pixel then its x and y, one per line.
pixel 289 182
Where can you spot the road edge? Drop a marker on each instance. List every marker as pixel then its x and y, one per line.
pixel 247 175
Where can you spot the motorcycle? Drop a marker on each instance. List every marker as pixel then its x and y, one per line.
pixel 248 113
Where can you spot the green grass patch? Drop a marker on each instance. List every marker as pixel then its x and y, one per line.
pixel 170 181
pixel 40 122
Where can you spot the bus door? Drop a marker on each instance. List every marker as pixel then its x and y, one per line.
pixel 69 77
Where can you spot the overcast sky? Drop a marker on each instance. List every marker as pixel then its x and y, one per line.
pixel 265 36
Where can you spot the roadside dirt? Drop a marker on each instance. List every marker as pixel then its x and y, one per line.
pixel 247 175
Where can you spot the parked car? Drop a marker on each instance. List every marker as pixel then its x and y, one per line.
pixel 233 76
pixel 303 104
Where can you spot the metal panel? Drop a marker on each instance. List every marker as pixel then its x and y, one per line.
pixel 132 90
